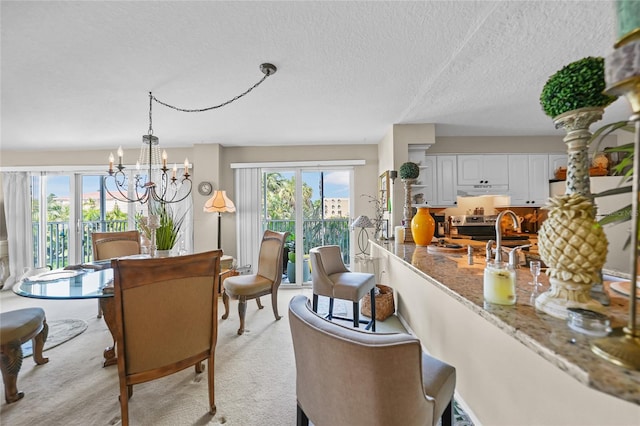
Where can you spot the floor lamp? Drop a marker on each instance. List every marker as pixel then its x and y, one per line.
pixel 219 203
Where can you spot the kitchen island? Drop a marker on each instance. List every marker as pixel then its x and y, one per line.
pixel 515 365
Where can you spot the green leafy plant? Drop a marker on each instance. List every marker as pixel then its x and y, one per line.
pixel 577 85
pixel 169 229
pixel 624 169
pixel 409 170
pixel 379 208
pixel 291 245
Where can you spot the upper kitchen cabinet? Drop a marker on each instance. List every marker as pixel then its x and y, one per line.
pixel 436 184
pixel 446 193
pixel 529 179
pixel 483 170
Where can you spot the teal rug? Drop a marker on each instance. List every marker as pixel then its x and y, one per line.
pixel 60 331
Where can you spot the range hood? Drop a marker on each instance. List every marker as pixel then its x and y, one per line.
pixel 477 190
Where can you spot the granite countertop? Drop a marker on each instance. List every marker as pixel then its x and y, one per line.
pixel 548 336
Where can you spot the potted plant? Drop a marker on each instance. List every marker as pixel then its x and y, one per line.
pixel 291 258
pixel 578 85
pixel 168 229
pixel 574 98
pixel 408 172
pixel 291 261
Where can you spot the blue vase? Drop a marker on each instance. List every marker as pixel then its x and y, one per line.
pixel 291 271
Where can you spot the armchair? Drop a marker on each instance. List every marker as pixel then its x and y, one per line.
pixel 332 279
pixel 345 376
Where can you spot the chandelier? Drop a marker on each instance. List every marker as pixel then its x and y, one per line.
pixel 159 186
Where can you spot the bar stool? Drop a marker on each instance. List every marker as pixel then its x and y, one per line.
pixel 331 278
pixel 16 328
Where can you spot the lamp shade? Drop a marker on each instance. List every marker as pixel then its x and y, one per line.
pixel 362 222
pixel 219 203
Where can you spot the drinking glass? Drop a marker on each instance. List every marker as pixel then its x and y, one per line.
pixel 534 267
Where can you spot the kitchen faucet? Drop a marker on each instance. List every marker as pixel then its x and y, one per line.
pixel 514 218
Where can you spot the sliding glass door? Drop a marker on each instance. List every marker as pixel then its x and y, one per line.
pixel 66 210
pixel 314 207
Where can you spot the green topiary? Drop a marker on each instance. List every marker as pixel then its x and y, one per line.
pixel 578 85
pixel 409 170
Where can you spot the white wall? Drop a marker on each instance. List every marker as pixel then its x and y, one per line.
pixel 211 162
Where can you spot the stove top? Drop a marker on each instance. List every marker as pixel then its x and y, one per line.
pixel 504 237
pixel 473 220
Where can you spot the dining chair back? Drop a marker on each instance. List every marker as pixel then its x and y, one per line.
pixel 166 318
pixel 108 245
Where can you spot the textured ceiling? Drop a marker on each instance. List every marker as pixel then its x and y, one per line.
pixel 77 74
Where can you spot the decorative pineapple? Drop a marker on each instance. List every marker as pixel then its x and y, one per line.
pixel 571 242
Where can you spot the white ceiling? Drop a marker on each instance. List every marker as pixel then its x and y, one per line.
pixel 77 74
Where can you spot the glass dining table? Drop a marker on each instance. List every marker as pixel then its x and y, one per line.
pixel 90 281
pixel 94 281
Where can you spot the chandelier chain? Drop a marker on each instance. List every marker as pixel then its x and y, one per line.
pixel 212 107
pixel 150 119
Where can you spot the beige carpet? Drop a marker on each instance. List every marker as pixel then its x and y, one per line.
pixel 255 375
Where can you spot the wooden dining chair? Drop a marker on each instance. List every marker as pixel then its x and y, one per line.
pixel 107 245
pixel 166 319
pixel 265 281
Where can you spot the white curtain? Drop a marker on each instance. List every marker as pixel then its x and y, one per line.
pixel 248 228
pixel 17 210
pixel 185 207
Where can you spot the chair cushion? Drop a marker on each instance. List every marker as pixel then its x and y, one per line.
pixel 15 325
pixel 439 381
pixel 246 285
pixel 352 285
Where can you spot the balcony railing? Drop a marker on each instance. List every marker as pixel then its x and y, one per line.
pixel 57 240
pixel 316 232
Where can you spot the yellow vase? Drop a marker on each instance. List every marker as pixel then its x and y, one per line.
pixel 423 227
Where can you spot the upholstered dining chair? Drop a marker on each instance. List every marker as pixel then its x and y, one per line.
pixel 107 245
pixel 166 319
pixel 265 281
pixel 391 381
pixel 331 278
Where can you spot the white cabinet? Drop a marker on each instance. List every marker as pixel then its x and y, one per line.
pixel 555 162
pixel 437 179
pixel 423 191
pixel 446 193
pixel 482 170
pixel 528 179
pixel 425 184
